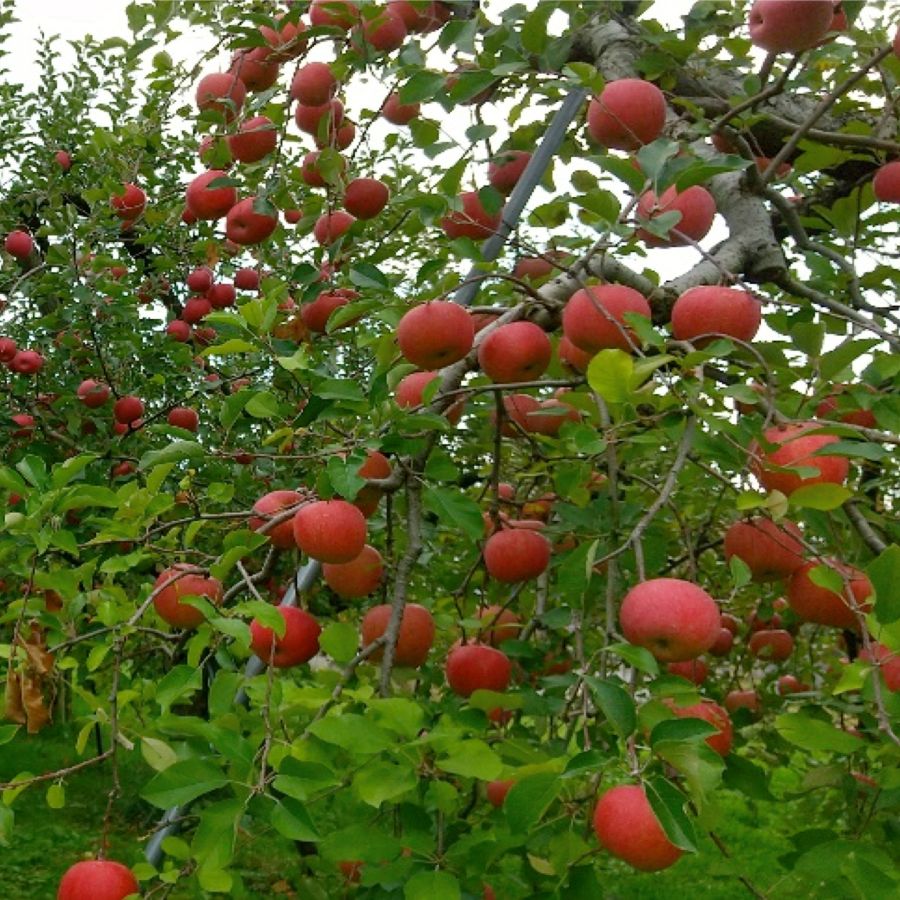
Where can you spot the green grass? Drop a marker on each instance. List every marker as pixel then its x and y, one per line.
pixel 45 842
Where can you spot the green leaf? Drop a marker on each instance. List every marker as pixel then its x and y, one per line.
pixel 366 275
pixel 455 510
pixel 56 796
pixel 7 820
pixel 227 348
pixel 71 468
pixel 383 781
pixel 836 360
pixel 529 799
pixel 687 729
pixel 157 754
pixel 422 86
pixel 740 572
pixel 610 375
pixel 701 766
pixel 175 452
pixel 825 577
pixel 352 732
pixel 884 573
pixel 472 759
pixel 340 641
pixel 747 777
pixel 263 405
pixel 179 682
pixel 7 733
pixel 668 804
pixel 639 657
pixel 290 819
pixel 344 476
pixel 34 470
pixel 824 496
pixel 301 780
pixel 616 704
pixel 213 842
pixel 183 782
pixel 266 614
pixel 534 34
pixel 810 733
pixel 12 481
pixel 432 885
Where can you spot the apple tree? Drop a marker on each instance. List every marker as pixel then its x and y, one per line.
pixel 457 438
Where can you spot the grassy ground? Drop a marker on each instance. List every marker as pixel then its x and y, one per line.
pixel 45 841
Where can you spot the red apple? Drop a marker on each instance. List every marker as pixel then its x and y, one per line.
pixel 516 554
pixel 221 295
pixel 385 31
pixel 724 643
pixel 410 390
pixel 200 280
pixel 474 667
pixel 627 114
pixel 299 644
pixel 789 25
pixel 421 17
pixel 572 356
pixel 331 531
pixel 398 113
pixel 256 68
pixel 414 639
pixel 550 417
pixel 376 465
pixel 357 578
pixel 332 226
pixel 128 409
pixel 821 605
pixel 19 244
pixel 365 198
pixel 776 644
pixel 184 417
pixel 26 362
pixel 168 601
pixel 315 315
pixel 97 879
pixel 255 140
pixel 735 700
pixel 693 670
pixel 245 226
pixel 593 319
pixel 701 310
pixel 505 169
pixel 287 41
pixel 886 183
pixel 8 350
pixel 210 202
pixel 499 625
pixel 342 14
pixel 794 447
pixel 63 160
pixel 195 310
pixel 435 334
pixel 517 351
pixel 269 505
pixel 790 684
pixel 717 717
pixel 222 92
pixel 314 84
pixel 674 619
pixel 472 221
pixel 497 790
pixel 771 551
pixel 322 119
pixel 888 663
pixel 340 137
pixel 312 174
pixel 247 279
pixel 93 394
pixel 697 208
pixel 627 827
pixel 130 203
pixel 834 406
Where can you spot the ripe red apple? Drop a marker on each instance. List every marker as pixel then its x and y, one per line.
pixel 315 315
pixel 245 226
pixel 516 554
pixel 287 41
pixel 505 169
pixel 168 601
pixel 130 203
pixel 474 667
pixel 886 183
pixel 200 280
pixel 627 827
pixel 340 138
pixel 593 319
pixel 196 309
pixel 398 113
pixel 422 17
pixel 221 295
pixel 693 670
pixel 517 351
pixel 626 114
pixel 724 643
pixel 97 879
pixel 473 221
pixel 697 208
pixel 385 31
pixel 210 202
pixel 63 160
pixel 184 417
pixel 332 226
pixel 314 84
pixel 572 356
pixel 255 140
pixel 247 279
pixel 550 417
pixel 269 505
pixel 322 119
pixel 771 551
pixel 790 684
pixel 312 174
pixel 342 14
pixel 331 531
pixel 257 68
pixel 92 394
pixel 717 717
pixel 365 198
pixel 222 92
pixel 497 790
pixel 735 700
pixel 414 639
pixel 410 390
pixel 26 362
pixel 128 409
pixel 823 606
pixel 376 465
pixel 794 447
pixel 888 663
pixel 19 244
pixel 499 625
pixel 674 619
pixel 299 644
pixel 835 407
pixel 701 310
pixel 293 216
pixel 776 644
pixel 7 350
pixel 179 330
pixel 357 578
pixel 789 25
pixel 435 334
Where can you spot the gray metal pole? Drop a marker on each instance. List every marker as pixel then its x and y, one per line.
pixel 303 581
pixel 531 177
